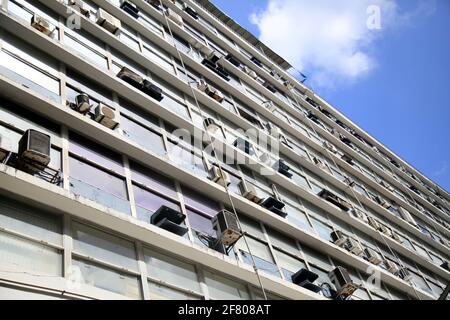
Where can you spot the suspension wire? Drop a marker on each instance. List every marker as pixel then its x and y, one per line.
pixel 311 125
pixel 221 170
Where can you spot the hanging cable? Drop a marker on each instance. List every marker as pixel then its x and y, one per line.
pixel 255 268
pixel 311 125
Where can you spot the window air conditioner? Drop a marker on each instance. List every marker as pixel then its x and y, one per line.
pixel 105 116
pixel 210 91
pixel 274 205
pixel 330 147
pixel 257 62
pixel 248 191
pixel 275 74
pixel 305 278
pixel 344 284
pixel 404 274
pixel 265 158
pixel 82 104
pixel 175 17
pixel 42 25
pixel 282 168
pixel 169 219
pixel 333 199
pixel 155 3
pixel 79 6
pixel 348 159
pixel 211 125
pixel 233 60
pixel 5 148
pixel 227 227
pixel 213 56
pixel 131 77
pixel 358 214
pixel 445 266
pixel 130 8
pixel 372 256
pixel 338 238
pixel 391 266
pixel 220 177
pixel 269 87
pixel 34 151
pixel 350 182
pixel 373 223
pixel 107 21
pixel 319 163
pixel 385 230
pixel 152 90
pixel 353 246
pixel 250 72
pixel 190 11
pixel 312 102
pixel 270 106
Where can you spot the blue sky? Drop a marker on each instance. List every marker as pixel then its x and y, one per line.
pixel 394 82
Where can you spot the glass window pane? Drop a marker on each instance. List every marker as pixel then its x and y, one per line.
pixel 159 292
pixel 107 279
pixel 103 246
pixel 221 288
pixel 171 270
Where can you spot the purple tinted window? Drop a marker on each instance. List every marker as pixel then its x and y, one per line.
pixel 152 180
pixel 200 202
pixel 95 153
pixel 97 178
pixel 200 223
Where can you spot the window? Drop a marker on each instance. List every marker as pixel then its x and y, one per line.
pixel 261 255
pixel 143 136
pixel 221 288
pixel 87 46
pixel 322 229
pixel 168 270
pixel 297 217
pixel 19 253
pixel 108 279
pixel 288 264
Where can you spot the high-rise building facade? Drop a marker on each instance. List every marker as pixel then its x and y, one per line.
pixel 157 150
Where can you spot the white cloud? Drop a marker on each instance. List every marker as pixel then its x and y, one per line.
pixel 442 170
pixel 329 40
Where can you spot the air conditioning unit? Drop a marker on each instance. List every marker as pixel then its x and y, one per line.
pixel 175 17
pixel 34 150
pixel 330 147
pixel 349 182
pixel 319 163
pixel 338 238
pixel 265 158
pixel 385 230
pixel 396 237
pixel 211 125
pixel 276 75
pixel 82 103
pixel 210 91
pixel 169 219
pixel 107 21
pixel 220 177
pixel 403 273
pixel 79 6
pixel 269 87
pixel 233 60
pixel 227 227
pixel 213 56
pixel 282 168
pixel 344 284
pixel 445 266
pixel 256 61
pixel 390 266
pixel 243 145
pixel 353 246
pixel 358 214
pixel 347 159
pixel 305 278
pixel 274 205
pixel 190 11
pixel 248 191
pixel 42 25
pixel 333 199
pixel 130 8
pixel 250 72
pixel 373 223
pixel 372 256
pixel 5 148
pixel 105 116
pixel 376 149
pixel 131 77
pixel 270 106
pixel 152 90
